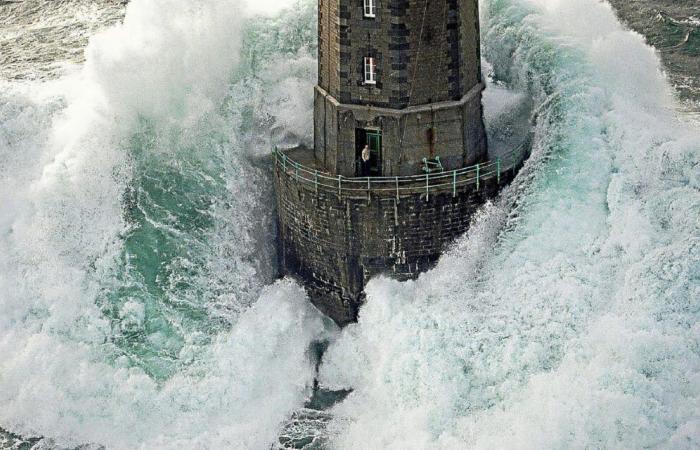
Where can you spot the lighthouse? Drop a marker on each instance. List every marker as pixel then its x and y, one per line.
pixel 400 160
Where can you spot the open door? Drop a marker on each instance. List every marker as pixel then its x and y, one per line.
pixel 372 139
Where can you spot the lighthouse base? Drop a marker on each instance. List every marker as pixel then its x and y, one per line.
pixel 335 241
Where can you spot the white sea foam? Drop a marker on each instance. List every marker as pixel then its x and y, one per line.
pixel 67 157
pixel 236 396
pixel 567 318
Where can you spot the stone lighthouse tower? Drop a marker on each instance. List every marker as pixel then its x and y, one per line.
pixel 400 160
pixel 403 76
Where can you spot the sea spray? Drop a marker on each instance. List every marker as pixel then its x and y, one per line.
pixel 137 239
pixel 565 319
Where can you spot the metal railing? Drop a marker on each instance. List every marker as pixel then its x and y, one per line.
pixel 429 183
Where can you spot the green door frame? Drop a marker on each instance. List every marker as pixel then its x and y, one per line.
pixel 374 140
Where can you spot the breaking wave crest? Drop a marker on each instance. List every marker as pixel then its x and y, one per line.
pixel 139 307
pixel 568 316
pixel 137 240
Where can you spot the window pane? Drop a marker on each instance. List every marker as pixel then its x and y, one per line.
pixel 370 70
pixel 370 8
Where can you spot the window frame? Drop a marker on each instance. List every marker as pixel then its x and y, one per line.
pixel 370 70
pixel 370 9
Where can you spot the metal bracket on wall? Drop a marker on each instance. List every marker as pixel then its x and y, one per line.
pixel 348 218
pixel 477 177
pixel 396 213
pixel 427 187
pixel 369 192
pixel 498 170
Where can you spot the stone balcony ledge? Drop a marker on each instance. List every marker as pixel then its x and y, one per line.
pixel 300 166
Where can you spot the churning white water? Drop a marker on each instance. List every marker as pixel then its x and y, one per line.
pixel 137 300
pixel 567 317
pixel 136 235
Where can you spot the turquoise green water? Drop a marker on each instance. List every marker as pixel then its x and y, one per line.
pixel 166 292
pixel 155 296
pixel 142 238
pixel 137 252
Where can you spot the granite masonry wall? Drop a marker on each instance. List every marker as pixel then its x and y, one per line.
pixel 457 134
pixel 427 51
pixel 336 242
pixel 427 100
pixel 426 103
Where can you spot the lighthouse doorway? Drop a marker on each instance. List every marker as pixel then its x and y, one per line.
pixel 371 138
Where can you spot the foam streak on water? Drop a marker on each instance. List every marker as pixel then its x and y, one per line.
pixel 567 318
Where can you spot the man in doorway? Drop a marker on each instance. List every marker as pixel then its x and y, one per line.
pixel 364 161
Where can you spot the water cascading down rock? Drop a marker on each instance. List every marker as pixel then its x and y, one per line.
pixel 400 160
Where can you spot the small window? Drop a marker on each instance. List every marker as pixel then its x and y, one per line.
pixel 370 8
pixel 370 70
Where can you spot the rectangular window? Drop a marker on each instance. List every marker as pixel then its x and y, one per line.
pixel 370 8
pixel 370 70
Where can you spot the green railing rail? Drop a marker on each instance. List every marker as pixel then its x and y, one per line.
pixel 428 183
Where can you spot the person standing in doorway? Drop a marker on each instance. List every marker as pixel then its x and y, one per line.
pixel 365 161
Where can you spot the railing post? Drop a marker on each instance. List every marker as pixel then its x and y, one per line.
pixel 340 187
pixel 498 170
pixel 427 187
pixel 316 181
pixel 454 183
pixel 296 172
pixel 477 177
pixel 397 189
pixel 369 187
